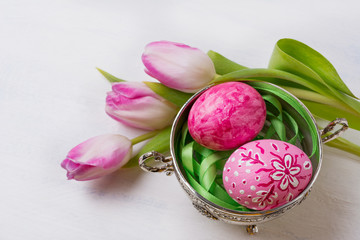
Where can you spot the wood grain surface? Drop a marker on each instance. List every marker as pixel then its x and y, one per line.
pixel 52 98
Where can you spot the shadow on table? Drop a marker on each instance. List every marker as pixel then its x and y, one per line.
pixel 328 212
pixel 119 182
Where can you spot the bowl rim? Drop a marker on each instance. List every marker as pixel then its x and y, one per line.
pixel 236 212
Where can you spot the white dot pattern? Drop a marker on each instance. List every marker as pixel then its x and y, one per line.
pixel 254 172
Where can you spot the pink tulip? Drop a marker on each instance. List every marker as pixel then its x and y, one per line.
pixel 178 66
pixel 97 157
pixel 136 105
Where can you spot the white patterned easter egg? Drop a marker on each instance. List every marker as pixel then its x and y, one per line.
pixel 265 174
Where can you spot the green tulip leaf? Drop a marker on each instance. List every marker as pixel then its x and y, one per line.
pixel 330 113
pixel 176 97
pixel 110 77
pixel 257 74
pixel 295 57
pixel 345 145
pixel 160 143
pixel 222 64
pixel 315 97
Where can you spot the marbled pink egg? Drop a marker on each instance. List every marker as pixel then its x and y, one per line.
pixel 226 116
pixel 265 174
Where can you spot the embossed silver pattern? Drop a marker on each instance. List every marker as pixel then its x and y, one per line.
pixel 166 163
pixel 215 212
pixel 339 121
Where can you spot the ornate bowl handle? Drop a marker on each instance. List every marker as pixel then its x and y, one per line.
pixel 160 163
pixel 331 126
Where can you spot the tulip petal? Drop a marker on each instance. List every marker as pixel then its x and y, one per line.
pixel 178 66
pixel 133 90
pixel 98 150
pixel 69 165
pixel 146 113
pixel 97 157
pixel 136 105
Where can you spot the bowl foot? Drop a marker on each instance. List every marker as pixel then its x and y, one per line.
pixel 252 229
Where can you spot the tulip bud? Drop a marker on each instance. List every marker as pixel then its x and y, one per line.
pixel 178 66
pixel 97 157
pixel 136 105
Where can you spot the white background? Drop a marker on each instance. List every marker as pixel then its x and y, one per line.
pixel 52 98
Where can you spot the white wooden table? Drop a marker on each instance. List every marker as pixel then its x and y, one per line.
pixel 52 98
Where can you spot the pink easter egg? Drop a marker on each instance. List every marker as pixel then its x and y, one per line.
pixel 265 174
pixel 226 116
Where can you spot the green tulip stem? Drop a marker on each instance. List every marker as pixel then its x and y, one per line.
pixel 144 137
pixel 159 143
pixel 315 97
pixel 345 145
pixel 215 78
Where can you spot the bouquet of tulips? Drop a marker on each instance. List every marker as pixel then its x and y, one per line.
pixel 183 70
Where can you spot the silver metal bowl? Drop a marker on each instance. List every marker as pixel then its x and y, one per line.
pixel 172 164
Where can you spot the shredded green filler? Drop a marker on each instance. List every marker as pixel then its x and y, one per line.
pixel 203 167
